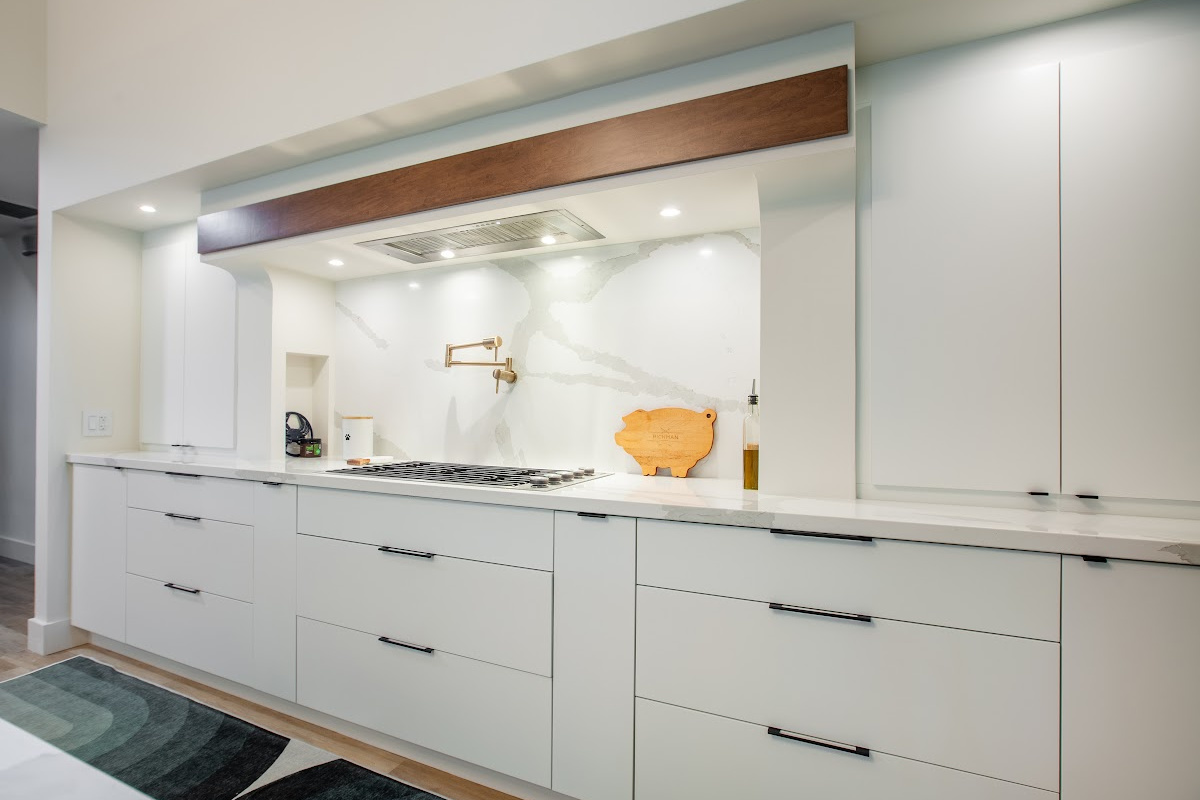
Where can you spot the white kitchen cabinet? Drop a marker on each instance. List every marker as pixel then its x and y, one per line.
pixel 954 587
pixel 1130 282
pixel 594 597
pixel 180 492
pixel 193 627
pixel 275 589
pixel 519 537
pixel 189 330
pixel 977 702
pixel 1130 711
pixel 493 716
pixel 963 278
pixel 683 753
pixel 98 550
pixel 489 612
pixel 199 553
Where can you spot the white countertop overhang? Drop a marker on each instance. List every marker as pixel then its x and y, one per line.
pixel 724 502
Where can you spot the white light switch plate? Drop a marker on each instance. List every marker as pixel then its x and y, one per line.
pixel 97 422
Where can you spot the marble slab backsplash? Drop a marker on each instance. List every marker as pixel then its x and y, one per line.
pixel 593 333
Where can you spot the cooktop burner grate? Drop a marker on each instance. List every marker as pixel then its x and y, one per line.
pixel 476 474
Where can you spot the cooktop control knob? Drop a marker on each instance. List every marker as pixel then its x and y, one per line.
pixel 586 471
pixel 539 481
pixel 553 477
pixel 567 475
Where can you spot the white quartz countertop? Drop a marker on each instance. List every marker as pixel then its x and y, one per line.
pixel 724 502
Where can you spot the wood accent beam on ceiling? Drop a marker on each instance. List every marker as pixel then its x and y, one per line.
pixel 799 109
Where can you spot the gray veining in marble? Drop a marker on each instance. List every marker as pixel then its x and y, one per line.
pixel 569 321
pixel 362 325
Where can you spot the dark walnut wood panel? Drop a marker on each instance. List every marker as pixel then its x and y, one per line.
pixel 799 109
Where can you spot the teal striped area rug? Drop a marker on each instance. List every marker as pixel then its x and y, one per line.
pixel 172 748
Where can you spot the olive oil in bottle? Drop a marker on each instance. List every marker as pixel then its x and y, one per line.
pixel 750 440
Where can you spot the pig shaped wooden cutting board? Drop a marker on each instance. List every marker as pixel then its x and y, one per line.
pixel 675 438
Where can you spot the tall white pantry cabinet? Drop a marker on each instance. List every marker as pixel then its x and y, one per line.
pixel 189 334
pixel 966 278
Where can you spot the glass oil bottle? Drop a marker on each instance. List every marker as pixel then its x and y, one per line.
pixel 750 440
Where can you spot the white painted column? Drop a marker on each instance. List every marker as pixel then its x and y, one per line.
pixel 808 326
pixel 89 315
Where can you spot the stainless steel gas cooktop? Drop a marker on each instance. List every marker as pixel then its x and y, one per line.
pixel 474 474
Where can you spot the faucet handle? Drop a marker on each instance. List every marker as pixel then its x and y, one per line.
pixel 507 375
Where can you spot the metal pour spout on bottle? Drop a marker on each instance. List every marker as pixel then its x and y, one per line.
pixel 750 427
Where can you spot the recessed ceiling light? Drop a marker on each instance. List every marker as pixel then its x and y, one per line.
pixel 414 285
pixel 447 254
pixel 549 240
pixel 706 252
pixel 670 211
pixel 149 209
pixel 336 262
pixel 576 256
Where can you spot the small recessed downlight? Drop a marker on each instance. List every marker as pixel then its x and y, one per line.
pixel 549 240
pixel 336 262
pixel 447 254
pixel 670 211
pixel 414 285
pixel 706 252
pixel 149 209
pixel 576 256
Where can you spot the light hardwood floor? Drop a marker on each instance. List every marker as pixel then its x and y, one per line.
pixel 16 606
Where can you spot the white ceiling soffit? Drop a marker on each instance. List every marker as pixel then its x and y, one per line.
pixel 708 202
pixel 885 29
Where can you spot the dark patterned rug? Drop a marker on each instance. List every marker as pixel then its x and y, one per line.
pixel 173 748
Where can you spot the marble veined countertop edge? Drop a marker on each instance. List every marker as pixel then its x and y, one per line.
pixel 724 502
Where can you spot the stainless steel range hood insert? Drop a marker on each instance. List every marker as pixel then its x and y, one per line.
pixel 484 238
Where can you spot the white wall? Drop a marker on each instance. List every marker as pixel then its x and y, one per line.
pixel 203 81
pixel 302 321
pixel 595 333
pixel 23 58
pixel 89 278
pixel 18 368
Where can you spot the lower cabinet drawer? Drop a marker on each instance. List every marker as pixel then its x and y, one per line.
pixel 216 557
pixel 971 701
pixel 521 537
pixel 490 612
pixel 489 715
pixel 181 492
pixel 202 630
pixel 688 754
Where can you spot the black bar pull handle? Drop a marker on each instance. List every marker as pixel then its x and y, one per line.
pixel 592 515
pixel 398 643
pixel 181 516
pixel 271 483
pixel 182 475
pixel 816 612
pixel 842 536
pixel 178 588
pixel 1088 496
pixel 401 552
pixel 841 748
pixel 1095 559
pixel 1039 494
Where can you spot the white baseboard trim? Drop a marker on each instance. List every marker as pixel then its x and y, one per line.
pixel 50 637
pixel 16 549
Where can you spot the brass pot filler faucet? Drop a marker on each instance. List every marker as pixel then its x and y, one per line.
pixel 503 372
